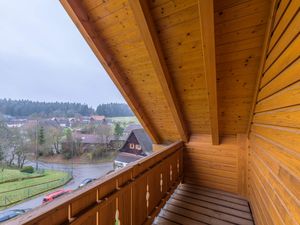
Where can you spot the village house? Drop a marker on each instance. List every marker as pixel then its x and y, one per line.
pixel 87 142
pixel 137 143
pixel 137 146
pixel 63 122
pixel 97 120
pixel 13 123
pixel 130 128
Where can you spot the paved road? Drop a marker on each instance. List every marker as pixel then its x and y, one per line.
pixel 80 172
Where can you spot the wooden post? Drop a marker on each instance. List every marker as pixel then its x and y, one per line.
pixel 206 16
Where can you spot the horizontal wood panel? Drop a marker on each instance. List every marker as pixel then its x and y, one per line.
pixel 286 97
pixel 286 117
pixel 283 4
pixel 285 177
pixel 283 62
pixel 274 154
pixel 267 206
pixel 286 18
pixel 288 204
pixel 215 166
pixel 212 182
pixel 288 159
pixel 288 137
pixel 284 79
pixel 287 37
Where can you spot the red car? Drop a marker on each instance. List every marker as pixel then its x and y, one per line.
pixel 54 195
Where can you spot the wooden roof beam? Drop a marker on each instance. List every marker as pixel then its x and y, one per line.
pixel 206 16
pixel 149 34
pixel 81 20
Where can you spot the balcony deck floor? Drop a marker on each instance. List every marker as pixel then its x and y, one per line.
pixel 192 204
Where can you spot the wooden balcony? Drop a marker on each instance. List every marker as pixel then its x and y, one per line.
pixel 221 76
pixel 145 192
pixel 132 195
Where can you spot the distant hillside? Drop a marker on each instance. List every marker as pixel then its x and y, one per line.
pixel 25 108
pixel 114 110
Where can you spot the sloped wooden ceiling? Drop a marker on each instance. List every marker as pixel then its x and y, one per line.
pixel 240 27
pixel 154 52
pixel 178 29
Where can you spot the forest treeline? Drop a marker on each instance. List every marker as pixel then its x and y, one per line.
pixel 114 110
pixel 27 108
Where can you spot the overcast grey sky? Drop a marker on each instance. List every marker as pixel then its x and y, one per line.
pixel 43 56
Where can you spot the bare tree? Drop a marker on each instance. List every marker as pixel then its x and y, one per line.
pixel 53 138
pixel 105 132
pixel 18 147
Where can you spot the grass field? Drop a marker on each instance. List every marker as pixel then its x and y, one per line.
pixel 13 192
pixel 9 174
pixel 125 119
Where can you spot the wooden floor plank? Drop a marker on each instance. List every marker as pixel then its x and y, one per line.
pixel 162 221
pixel 214 201
pixel 217 208
pixel 214 195
pixel 211 213
pixel 178 219
pixel 195 216
pixel 191 204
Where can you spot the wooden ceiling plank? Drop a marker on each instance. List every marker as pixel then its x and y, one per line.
pixel 81 20
pixel 146 25
pixel 206 17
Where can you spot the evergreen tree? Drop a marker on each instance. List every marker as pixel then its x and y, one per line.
pixel 114 110
pixel 24 108
pixel 41 136
pixel 119 130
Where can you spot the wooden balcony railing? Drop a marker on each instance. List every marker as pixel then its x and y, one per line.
pixel 133 195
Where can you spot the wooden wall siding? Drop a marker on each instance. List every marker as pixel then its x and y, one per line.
pixel 220 167
pixel 240 29
pixel 274 161
pixel 178 28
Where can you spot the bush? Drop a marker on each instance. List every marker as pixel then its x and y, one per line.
pixel 27 169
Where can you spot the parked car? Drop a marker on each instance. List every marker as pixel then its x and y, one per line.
pixel 11 214
pixel 85 182
pixel 54 195
pixel 109 172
